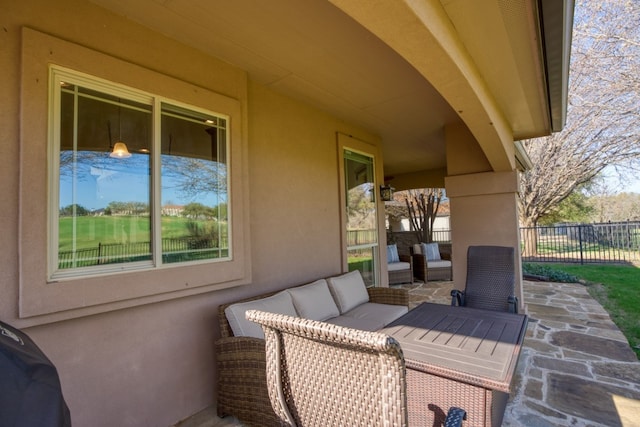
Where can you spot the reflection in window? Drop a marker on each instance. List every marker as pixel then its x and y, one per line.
pixel 194 186
pixel 108 215
pixel 362 234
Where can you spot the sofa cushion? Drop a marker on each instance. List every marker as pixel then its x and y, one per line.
pixel 392 254
pixel 397 266
pixel 280 303
pixel 370 316
pixel 348 290
pixel 314 301
pixel 431 251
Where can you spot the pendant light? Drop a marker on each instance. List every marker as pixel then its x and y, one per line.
pixel 120 150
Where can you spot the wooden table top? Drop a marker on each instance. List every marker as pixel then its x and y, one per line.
pixel 479 347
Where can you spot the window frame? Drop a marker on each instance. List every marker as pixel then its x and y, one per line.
pixel 157 104
pixel 350 143
pixel 44 301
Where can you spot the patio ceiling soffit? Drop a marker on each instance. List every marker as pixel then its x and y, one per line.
pixel 422 33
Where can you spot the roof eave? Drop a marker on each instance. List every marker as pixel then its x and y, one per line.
pixel 557 24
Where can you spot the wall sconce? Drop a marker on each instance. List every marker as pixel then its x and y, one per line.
pixel 386 193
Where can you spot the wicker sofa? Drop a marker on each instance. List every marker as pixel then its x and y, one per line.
pixel 241 361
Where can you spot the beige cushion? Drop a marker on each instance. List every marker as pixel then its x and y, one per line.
pixel 314 301
pixel 397 266
pixel 439 264
pixel 370 316
pixel 348 290
pixel 417 249
pixel 280 303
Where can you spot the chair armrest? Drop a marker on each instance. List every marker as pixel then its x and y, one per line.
pixel 513 304
pixel 457 298
pixel 420 266
pixel 455 416
pixel 406 258
pixel 393 296
pixel 242 381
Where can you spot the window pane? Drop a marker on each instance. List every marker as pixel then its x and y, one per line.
pixel 104 202
pixel 362 235
pixel 194 193
pixel 363 260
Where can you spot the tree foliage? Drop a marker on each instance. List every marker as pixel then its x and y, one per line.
pixel 196 210
pixel 195 177
pixel 603 120
pixel 360 209
pixel 615 207
pixel 127 208
pixel 576 208
pixel 421 207
pixel 74 210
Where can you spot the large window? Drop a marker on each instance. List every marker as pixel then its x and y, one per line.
pixel 138 181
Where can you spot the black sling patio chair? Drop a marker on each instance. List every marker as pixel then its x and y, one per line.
pixel 490 281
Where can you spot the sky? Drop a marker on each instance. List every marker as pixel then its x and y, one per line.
pixel 100 183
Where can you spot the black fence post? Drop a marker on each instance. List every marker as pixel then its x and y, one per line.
pixel 580 242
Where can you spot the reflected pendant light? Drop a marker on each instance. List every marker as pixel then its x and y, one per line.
pixel 120 150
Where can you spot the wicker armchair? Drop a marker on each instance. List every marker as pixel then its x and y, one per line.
pixel 320 374
pixel 241 365
pixel 404 275
pixel 426 269
pixel 490 281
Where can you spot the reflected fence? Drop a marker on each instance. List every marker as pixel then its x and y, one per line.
pixel 582 243
pixel 173 250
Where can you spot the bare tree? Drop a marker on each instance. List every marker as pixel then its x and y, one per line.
pixel 420 206
pixel 602 126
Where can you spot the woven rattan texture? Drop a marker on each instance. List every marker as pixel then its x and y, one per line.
pixel 424 272
pixel 402 276
pixel 321 374
pixel 241 365
pixel 490 277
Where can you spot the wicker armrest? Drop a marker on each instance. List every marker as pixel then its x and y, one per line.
pixel 242 381
pixel 419 261
pixel 406 258
pixel 394 296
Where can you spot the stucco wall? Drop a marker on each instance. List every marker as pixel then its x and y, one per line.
pixel 153 364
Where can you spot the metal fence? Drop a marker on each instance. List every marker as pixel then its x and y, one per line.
pixel 582 243
pixel 173 250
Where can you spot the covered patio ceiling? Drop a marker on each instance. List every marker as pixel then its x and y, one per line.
pixel 394 67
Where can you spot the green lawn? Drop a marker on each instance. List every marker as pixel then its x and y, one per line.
pixel 116 229
pixel 616 287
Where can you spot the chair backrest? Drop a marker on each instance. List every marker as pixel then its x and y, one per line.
pixel 320 374
pixel 490 277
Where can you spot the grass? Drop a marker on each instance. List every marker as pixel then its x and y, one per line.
pixel 92 230
pixel 615 287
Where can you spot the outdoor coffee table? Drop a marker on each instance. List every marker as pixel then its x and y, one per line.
pixel 458 356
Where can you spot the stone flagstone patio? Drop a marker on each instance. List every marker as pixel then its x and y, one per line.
pixel 576 368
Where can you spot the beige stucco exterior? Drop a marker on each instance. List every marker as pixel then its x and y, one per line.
pixel 136 349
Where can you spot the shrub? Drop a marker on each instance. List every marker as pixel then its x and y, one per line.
pixel 548 273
